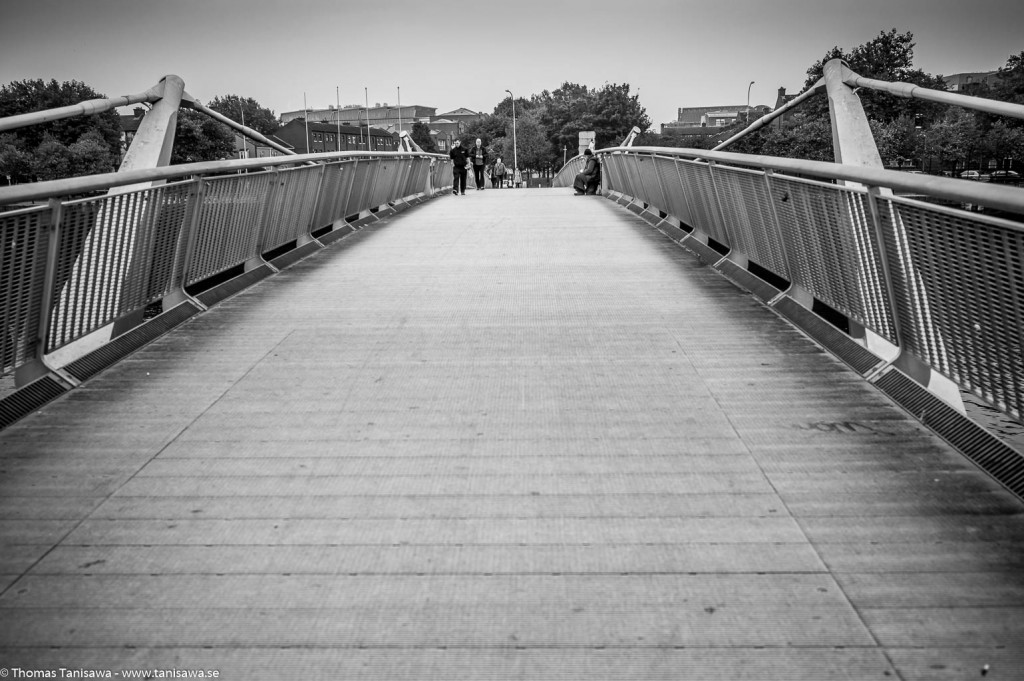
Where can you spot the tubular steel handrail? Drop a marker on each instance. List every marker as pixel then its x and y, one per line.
pixel 942 284
pixel 74 266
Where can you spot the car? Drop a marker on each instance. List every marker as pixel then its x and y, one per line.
pixel 1005 176
pixel 971 175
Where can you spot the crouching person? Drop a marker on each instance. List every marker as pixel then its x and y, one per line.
pixel 588 180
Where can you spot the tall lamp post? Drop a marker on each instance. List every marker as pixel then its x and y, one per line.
pixel 515 148
pixel 748 100
pixel 245 150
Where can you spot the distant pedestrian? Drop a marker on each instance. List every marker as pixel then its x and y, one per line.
pixel 586 182
pixel 459 160
pixel 478 155
pixel 498 173
pixel 517 178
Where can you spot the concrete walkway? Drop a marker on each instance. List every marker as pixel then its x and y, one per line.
pixel 511 435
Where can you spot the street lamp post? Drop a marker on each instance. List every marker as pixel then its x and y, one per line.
pixel 748 100
pixel 515 148
pixel 245 150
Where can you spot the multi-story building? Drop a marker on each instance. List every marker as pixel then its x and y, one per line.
pixel 385 116
pixel 970 83
pixel 462 115
pixel 327 137
pixel 705 121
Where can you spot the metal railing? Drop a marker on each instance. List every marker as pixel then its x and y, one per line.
pixel 942 284
pixel 74 265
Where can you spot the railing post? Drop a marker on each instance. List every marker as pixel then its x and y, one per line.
pixel 776 223
pixel 186 247
pixel 736 257
pixel 37 366
pixel 906 361
pixel 256 259
pixel 307 236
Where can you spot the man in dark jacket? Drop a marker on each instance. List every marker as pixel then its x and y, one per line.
pixel 587 181
pixel 459 159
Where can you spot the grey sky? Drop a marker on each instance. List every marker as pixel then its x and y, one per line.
pixel 450 54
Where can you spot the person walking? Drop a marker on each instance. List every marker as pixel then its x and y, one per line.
pixel 498 173
pixel 459 160
pixel 478 155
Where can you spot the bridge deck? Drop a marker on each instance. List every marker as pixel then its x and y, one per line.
pixel 516 434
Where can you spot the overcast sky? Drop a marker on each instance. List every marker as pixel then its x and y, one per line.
pixel 449 54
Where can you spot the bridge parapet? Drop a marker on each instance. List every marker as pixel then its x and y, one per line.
pixel 940 286
pixel 81 266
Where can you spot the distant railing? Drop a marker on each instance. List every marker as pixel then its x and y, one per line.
pixel 74 265
pixel 943 284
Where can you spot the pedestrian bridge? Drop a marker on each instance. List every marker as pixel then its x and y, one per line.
pixel 316 417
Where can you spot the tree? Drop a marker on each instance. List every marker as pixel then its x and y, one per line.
pixel 889 57
pixel 51 160
pixel 200 138
pixel 15 162
pixel 421 135
pixel 44 151
pixel 259 118
pixel 610 112
pixel 616 113
pixel 954 138
pixel 531 148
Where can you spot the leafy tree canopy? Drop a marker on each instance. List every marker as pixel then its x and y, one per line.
pixel 420 134
pixel 200 138
pixel 237 108
pixel 80 145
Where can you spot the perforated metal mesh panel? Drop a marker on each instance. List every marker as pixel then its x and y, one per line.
pixel 23 245
pixel 334 189
pixel 833 249
pixel 651 182
pixel 360 179
pixel 960 295
pixel 384 186
pixel 292 202
pixel 416 182
pixel 673 187
pixel 749 219
pixel 442 177
pixel 116 255
pixel 572 167
pixel 700 195
pixel 228 223
pixel 171 210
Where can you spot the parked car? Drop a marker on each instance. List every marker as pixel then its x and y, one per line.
pixel 971 175
pixel 1005 176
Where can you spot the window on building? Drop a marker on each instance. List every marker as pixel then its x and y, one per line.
pixel 993 164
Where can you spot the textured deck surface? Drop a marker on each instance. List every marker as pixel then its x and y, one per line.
pixel 512 435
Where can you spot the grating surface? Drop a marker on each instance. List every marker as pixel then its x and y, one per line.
pixel 857 356
pixel 986 450
pixel 962 295
pixel 27 399
pixel 23 245
pixel 101 358
pixel 518 434
pixel 758 287
pixel 234 285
